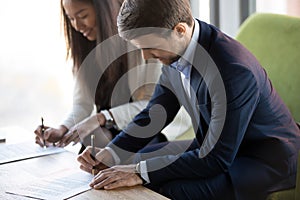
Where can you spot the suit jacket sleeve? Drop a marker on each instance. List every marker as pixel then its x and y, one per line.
pixel 141 82
pixel 160 111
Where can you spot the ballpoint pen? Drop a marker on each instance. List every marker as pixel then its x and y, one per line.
pixel 43 132
pixel 93 152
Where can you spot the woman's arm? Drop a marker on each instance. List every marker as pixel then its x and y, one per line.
pixel 83 106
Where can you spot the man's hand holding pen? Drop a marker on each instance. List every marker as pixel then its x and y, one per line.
pixel 108 177
pixel 102 160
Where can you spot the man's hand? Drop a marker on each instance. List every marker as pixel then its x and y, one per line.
pixel 103 160
pixel 116 177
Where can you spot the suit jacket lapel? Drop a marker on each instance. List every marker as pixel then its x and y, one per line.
pixel 190 104
pixel 179 89
pixel 196 80
pixel 199 70
pixel 200 61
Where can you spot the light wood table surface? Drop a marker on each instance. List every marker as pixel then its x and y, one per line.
pixel 20 172
pixel 133 193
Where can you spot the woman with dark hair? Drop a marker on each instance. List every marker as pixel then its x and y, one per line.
pixel 88 23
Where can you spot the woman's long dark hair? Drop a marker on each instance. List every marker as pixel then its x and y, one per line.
pixel 78 47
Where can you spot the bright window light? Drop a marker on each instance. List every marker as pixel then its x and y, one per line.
pixel 271 6
pixel 35 79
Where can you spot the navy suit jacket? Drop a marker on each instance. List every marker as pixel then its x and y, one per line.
pixel 259 140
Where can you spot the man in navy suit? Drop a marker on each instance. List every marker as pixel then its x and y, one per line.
pixel 246 141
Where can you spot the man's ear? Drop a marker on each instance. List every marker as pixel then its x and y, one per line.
pixel 180 29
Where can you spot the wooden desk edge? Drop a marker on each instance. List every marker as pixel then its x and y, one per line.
pixel 126 193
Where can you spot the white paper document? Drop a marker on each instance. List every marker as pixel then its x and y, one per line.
pixel 21 151
pixel 62 185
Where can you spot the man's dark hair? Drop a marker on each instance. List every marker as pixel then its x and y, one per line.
pixel 135 14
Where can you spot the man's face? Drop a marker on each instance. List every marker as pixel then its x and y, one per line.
pixel 166 50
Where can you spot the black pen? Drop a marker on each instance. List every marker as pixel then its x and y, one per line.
pixel 43 132
pixel 93 152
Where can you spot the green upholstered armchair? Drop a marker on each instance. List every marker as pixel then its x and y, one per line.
pixel 275 41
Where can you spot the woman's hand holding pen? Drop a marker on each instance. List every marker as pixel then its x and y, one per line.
pixel 51 135
pixel 103 160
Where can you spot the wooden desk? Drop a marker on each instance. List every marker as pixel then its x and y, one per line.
pixel 21 172
pixel 133 193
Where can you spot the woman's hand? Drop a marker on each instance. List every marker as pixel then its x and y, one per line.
pixel 79 131
pixel 51 135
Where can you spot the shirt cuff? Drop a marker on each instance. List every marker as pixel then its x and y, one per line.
pixel 144 173
pixel 114 155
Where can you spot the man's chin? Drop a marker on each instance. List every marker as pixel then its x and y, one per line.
pixel 165 62
pixel 168 61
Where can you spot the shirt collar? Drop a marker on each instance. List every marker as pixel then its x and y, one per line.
pixel 183 64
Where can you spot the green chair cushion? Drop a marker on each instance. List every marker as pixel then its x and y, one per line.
pixel 275 41
pixel 282 195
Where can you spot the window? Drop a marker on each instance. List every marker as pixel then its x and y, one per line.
pixel 228 15
pixel 279 6
pixel 201 10
pixel 35 80
pixel 287 7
